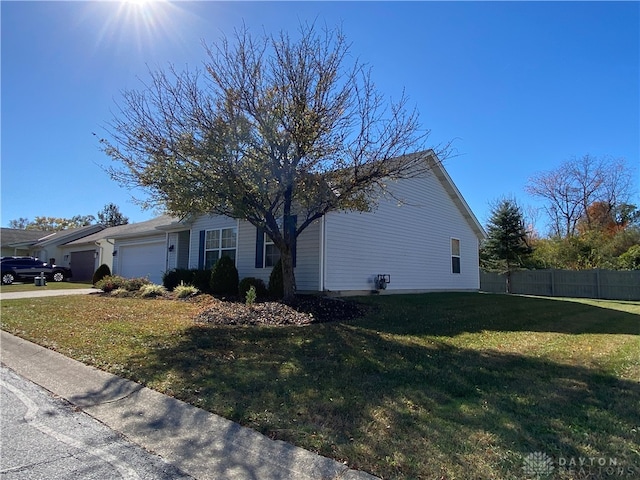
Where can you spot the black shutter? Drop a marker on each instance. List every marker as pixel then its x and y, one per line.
pixel 259 247
pixel 201 250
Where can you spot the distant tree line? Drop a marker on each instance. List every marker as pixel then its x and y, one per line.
pixel 592 222
pixel 109 216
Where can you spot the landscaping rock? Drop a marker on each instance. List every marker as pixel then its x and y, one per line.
pixel 304 310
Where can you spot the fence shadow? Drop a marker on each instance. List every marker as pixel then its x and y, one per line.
pixel 451 314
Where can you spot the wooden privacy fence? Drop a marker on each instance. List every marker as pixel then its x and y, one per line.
pixel 605 284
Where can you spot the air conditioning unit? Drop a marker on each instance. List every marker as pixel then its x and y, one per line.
pixel 382 280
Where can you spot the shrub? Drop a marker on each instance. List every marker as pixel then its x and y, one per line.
pixel 276 281
pixel 176 277
pixel 256 283
pixel 185 291
pixel 251 296
pixel 135 284
pixel 110 283
pixel 201 279
pixel 102 271
pixel 630 260
pixel 152 290
pixel 121 293
pixel 224 277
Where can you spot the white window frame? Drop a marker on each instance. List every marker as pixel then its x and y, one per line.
pixel 267 243
pixel 454 255
pixel 219 248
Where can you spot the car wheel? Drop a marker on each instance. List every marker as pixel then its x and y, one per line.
pixel 8 278
pixel 58 277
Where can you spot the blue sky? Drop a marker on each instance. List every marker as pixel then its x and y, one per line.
pixel 520 86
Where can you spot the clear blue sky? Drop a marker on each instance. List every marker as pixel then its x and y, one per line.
pixel 520 86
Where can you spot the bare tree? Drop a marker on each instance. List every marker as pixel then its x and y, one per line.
pixel 577 184
pixel 275 131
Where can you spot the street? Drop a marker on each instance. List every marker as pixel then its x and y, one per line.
pixel 46 437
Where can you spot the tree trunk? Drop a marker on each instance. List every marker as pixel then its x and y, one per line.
pixel 288 277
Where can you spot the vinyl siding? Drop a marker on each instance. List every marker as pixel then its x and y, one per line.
pixel 408 239
pixel 207 222
pixel 308 247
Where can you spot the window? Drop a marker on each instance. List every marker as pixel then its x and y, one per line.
pixel 455 255
pixel 267 254
pixel 271 252
pixel 218 243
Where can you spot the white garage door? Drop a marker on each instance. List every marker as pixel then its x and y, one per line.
pixel 144 260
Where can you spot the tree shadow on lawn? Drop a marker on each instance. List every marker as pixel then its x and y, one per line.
pixel 450 314
pixel 394 408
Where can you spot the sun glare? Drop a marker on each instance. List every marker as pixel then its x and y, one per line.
pixel 135 23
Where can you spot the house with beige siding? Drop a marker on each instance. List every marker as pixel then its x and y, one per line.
pixel 422 236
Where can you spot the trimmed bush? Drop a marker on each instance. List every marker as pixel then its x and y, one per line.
pixel 201 280
pixel 102 271
pixel 224 277
pixel 110 283
pixel 248 282
pixel 276 281
pixel 177 276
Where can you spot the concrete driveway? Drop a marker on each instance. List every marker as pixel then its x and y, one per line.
pixel 47 293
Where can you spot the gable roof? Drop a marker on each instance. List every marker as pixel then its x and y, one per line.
pixel 129 230
pixel 65 236
pixel 9 236
pixel 59 237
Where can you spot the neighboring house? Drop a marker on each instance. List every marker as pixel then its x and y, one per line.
pixel 16 242
pixel 49 247
pixel 423 236
pixel 141 250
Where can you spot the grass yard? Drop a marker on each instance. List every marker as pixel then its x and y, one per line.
pixel 434 386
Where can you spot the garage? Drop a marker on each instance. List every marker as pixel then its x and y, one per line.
pixel 143 260
pixel 82 265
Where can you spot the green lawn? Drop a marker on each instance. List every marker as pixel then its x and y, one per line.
pixel 434 386
pixel 29 286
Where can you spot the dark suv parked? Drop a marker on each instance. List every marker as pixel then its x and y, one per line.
pixel 26 268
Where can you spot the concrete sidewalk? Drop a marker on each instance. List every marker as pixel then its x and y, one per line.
pixel 199 443
pixel 47 293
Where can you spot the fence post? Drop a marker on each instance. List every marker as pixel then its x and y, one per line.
pixel 598 283
pixel 553 286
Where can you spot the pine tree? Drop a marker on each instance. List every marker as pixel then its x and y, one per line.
pixel 507 244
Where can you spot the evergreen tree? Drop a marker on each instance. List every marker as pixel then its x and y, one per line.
pixel 507 245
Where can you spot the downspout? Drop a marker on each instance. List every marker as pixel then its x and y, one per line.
pixel 322 253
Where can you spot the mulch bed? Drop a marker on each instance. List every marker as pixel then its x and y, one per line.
pixel 304 310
